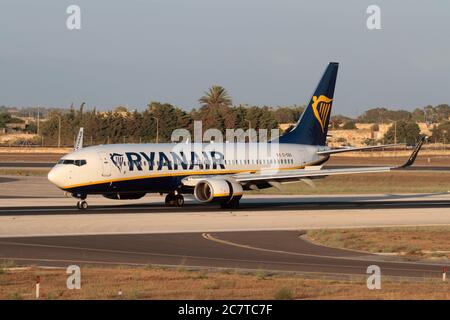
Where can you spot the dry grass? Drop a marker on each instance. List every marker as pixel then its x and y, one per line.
pixel 157 283
pixel 408 242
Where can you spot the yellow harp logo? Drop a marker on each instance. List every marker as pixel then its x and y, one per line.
pixel 321 107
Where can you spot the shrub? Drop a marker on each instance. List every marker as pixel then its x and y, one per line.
pixel 284 294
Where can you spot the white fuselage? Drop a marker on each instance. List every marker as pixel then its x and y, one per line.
pixel 161 167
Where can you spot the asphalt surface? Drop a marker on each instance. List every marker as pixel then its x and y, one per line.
pixel 7 179
pixel 256 250
pixel 253 250
pixel 278 204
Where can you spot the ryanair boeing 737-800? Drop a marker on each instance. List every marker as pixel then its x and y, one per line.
pixel 212 172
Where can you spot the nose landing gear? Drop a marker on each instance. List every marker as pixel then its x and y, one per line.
pixel 82 205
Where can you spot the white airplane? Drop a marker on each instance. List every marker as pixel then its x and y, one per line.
pixel 212 172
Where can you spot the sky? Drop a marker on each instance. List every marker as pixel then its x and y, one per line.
pixel 263 52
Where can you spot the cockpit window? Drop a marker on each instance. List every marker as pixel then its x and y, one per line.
pixel 78 163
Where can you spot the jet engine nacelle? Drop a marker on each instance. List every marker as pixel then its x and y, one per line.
pixel 123 196
pixel 217 190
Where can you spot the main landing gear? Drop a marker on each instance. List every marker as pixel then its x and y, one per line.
pixel 233 204
pixel 174 200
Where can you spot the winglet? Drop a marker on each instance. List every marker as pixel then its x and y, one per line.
pixel 79 141
pixel 413 155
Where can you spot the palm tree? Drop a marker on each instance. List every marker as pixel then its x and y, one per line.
pixel 217 96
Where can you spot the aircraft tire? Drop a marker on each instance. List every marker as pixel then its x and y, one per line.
pixel 179 200
pixel 82 205
pixel 170 200
pixel 233 204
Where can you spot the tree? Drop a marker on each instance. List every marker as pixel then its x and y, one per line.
pixel 369 142
pixel 407 132
pixel 217 96
pixel 380 115
pixel 120 109
pixel 341 140
pixel 349 125
pixel 49 129
pixel 169 118
pixel 441 132
pixel 442 112
pixel 5 118
pixel 31 127
pixel 338 120
pixel 418 115
pixel 288 114
pixel 215 111
pixel 267 120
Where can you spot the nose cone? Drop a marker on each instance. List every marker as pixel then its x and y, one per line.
pixel 56 176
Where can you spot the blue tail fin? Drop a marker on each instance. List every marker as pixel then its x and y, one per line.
pixel 312 127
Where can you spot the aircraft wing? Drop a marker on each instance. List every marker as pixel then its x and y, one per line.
pixel 276 177
pixel 300 174
pixel 340 150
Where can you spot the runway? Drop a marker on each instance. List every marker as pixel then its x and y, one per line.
pixel 252 203
pixel 24 217
pixel 263 234
pixel 257 250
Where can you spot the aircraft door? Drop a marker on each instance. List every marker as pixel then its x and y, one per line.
pixel 106 164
